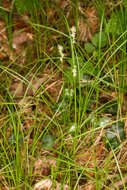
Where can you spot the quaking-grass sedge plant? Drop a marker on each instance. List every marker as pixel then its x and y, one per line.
pixel 72 128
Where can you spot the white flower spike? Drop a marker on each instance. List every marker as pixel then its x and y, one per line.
pixel 60 49
pixel 74 71
pixel 73 33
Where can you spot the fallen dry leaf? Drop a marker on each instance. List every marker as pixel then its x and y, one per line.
pixel 3 54
pixel 16 88
pixel 20 38
pixel 42 166
pixel 6 4
pixel 4 48
pixel 87 27
pixel 59 186
pixel 84 30
pixel 92 18
pixel 45 184
pixel 34 86
pixel 88 187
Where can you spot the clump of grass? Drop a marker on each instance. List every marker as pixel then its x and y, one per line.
pixel 74 114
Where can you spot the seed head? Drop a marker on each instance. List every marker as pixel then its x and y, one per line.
pixel 74 71
pixel 60 49
pixel 73 33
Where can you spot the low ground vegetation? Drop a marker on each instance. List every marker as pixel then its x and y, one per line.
pixel 63 95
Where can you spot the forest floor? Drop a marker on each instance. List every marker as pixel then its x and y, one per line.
pixel 63 95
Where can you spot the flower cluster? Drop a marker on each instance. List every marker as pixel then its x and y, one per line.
pixel 60 49
pixel 73 33
pixel 74 71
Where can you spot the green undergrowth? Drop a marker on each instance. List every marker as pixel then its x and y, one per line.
pixel 71 122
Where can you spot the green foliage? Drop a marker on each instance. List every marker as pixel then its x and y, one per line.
pixel 23 6
pixel 65 103
pixel 100 40
pixel 90 104
pixel 83 69
pixel 85 80
pixel 107 82
pixel 48 141
pixel 117 23
pixel 68 93
pixel 88 68
pixel 114 134
pixel 112 108
pixel 12 138
pixel 120 127
pixel 113 25
pixel 89 47
pixel 69 76
pixel 125 3
pixel 72 128
pixel 3 12
pixel 103 121
pixel 77 61
pixel 61 105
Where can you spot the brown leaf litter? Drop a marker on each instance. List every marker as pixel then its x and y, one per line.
pixel 17 88
pixel 118 184
pixel 88 186
pixel 4 183
pixel 47 184
pixel 4 51
pixel 86 155
pixel 87 159
pixel 20 39
pixel 88 25
pixel 49 81
pixel 42 166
